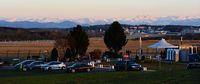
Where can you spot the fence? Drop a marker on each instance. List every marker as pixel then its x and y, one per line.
pixel 23 49
pixel 9 55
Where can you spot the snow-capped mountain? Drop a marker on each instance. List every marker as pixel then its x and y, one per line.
pixel 68 23
pixel 170 20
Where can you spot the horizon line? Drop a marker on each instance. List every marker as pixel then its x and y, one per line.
pixel 50 19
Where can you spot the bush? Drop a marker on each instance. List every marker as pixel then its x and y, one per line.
pixel 137 58
pixel 54 54
pixel 96 54
pixel 111 55
pixel 143 58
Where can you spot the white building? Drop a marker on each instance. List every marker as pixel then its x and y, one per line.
pixel 180 54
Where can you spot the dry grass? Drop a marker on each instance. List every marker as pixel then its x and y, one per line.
pixel 36 47
pixel 25 48
pixel 133 45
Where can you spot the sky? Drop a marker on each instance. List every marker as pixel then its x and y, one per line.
pixel 97 9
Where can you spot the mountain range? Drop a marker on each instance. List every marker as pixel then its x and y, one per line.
pixel 68 23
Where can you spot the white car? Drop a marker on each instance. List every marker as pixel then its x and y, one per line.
pixel 53 65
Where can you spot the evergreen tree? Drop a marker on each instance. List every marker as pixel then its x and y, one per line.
pixel 78 41
pixel 115 37
pixel 54 54
pixel 68 54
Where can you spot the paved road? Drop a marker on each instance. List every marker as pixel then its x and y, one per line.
pixel 6 67
pixel 103 70
pixel 106 69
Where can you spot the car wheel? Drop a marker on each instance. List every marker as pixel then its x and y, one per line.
pixel 63 68
pixel 49 69
pixel 88 70
pixel 24 69
pixel 73 70
pixel 117 69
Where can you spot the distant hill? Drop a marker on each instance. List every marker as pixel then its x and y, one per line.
pixel 5 30
pixel 30 24
pixel 17 33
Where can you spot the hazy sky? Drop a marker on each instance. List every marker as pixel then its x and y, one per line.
pixel 98 9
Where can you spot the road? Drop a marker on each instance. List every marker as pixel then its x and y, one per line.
pixel 97 69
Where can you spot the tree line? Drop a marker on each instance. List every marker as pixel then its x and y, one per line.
pixel 20 34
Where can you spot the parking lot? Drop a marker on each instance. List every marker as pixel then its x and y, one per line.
pixel 169 73
pixel 97 69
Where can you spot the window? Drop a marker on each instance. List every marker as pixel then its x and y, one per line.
pixel 194 50
pixel 190 50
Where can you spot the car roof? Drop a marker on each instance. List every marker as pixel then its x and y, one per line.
pixel 29 60
pixel 125 61
pixel 195 63
pixel 37 61
pixel 26 61
pixel 53 62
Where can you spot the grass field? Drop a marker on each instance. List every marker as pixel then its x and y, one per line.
pixel 23 49
pixel 168 74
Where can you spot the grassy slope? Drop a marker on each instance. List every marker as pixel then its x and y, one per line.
pixel 169 73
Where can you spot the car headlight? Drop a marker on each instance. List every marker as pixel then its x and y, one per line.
pixel 46 67
pixel 133 66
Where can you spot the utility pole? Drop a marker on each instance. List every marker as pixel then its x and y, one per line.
pixel 7 55
pixel 18 54
pixel 181 40
pixel 140 41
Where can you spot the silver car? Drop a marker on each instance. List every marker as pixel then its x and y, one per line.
pixel 53 65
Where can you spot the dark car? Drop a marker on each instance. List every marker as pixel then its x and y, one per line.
pixel 36 65
pixel 22 64
pixel 193 65
pixel 79 67
pixel 1 62
pixel 127 65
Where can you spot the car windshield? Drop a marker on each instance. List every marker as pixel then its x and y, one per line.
pixel 121 62
pixel 131 62
pixel 36 63
pixel 52 63
pixel 76 65
pixel 83 65
pixel 27 62
pixel 134 64
pixel 70 64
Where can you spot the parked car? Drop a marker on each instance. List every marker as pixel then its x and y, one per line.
pixel 69 64
pixel 1 62
pixel 36 65
pixel 127 65
pixel 53 65
pixel 194 65
pixel 22 64
pixel 79 67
